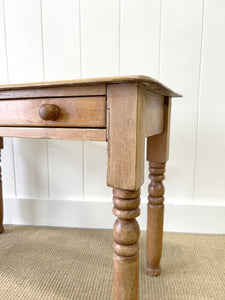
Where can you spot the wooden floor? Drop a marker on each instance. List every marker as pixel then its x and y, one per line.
pixel 61 263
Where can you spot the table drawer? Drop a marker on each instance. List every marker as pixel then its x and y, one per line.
pixel 63 112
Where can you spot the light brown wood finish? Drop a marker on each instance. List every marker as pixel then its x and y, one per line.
pixel 125 143
pixel 41 90
pixel 135 109
pixel 73 112
pixel 79 134
pixel 158 145
pixel 133 113
pixel 150 83
pixel 157 155
pixel 126 235
pixel 152 112
pixel 1 198
pixel 155 218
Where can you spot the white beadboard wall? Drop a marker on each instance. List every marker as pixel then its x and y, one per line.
pixel 180 42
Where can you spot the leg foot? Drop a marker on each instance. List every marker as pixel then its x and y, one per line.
pixel 126 235
pixel 153 271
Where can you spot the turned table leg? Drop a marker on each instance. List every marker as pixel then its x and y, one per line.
pixel 155 218
pixel 157 155
pixel 133 113
pixel 1 198
pixel 126 235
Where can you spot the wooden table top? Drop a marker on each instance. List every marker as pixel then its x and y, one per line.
pixel 152 84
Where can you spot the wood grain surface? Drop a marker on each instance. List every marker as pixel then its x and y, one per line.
pixel 79 134
pixel 74 112
pixel 41 90
pixel 126 244
pixel 151 84
pixel 125 137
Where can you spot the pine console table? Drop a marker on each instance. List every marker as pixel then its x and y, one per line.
pixel 122 111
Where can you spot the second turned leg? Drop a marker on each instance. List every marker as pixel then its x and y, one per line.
pixel 126 248
pixel 155 218
pixel 1 200
pixel 157 155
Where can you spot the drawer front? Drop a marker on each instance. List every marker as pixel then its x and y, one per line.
pixel 71 112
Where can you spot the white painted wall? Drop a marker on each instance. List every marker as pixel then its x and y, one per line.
pixel 180 42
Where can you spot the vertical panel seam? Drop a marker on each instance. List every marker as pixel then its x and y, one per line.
pixel 198 99
pixel 83 166
pixel 48 170
pixel 119 39
pixel 42 40
pixel 80 37
pixel 160 39
pixel 81 76
pixel 43 70
pixel 14 168
pixel 6 52
pixel 7 72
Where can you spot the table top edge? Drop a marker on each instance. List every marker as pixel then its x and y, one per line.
pixel 146 80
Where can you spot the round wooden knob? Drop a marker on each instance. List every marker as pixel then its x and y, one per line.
pixel 49 112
